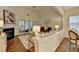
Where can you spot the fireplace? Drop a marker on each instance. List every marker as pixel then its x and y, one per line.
pixel 9 32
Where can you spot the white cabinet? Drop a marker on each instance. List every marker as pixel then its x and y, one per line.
pixel 48 43
pixel 43 44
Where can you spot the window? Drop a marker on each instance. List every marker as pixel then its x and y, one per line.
pixel 26 26
pixel 21 25
pixel 74 22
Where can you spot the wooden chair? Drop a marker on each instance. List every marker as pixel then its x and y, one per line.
pixel 74 39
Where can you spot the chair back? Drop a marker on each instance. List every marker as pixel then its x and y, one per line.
pixel 73 35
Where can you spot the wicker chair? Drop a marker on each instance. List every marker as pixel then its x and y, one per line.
pixel 74 39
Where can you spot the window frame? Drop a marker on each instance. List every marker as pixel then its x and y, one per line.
pixel 75 22
pixel 23 32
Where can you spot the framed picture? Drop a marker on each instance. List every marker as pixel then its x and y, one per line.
pixel 9 17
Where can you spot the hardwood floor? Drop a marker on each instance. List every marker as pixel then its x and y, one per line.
pixel 15 45
pixel 64 46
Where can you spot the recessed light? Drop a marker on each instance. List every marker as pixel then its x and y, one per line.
pixel 34 6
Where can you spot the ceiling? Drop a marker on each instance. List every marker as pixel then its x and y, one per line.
pixel 69 7
pixel 37 8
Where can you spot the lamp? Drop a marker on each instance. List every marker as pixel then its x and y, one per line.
pixel 56 27
pixel 36 29
pixel 1 24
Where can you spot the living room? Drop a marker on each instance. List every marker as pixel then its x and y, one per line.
pixel 23 23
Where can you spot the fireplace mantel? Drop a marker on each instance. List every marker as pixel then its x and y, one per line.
pixel 9 32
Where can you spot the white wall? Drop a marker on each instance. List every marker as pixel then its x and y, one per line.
pixel 59 9
pixel 46 15
pixel 50 16
pixel 12 9
pixel 20 13
pixel 68 13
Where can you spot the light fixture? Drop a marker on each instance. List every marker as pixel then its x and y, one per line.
pixel 34 6
pixel 28 14
pixel 36 29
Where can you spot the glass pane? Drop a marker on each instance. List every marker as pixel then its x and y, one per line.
pixel 74 22
pixel 21 25
pixel 35 23
pixel 31 25
pixel 26 26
